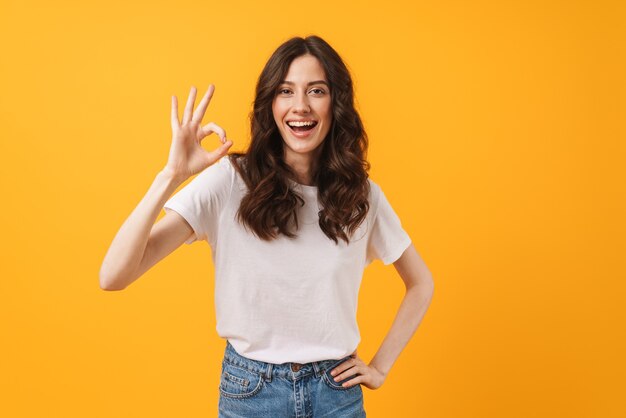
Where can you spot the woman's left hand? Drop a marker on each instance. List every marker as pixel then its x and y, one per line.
pixel 365 374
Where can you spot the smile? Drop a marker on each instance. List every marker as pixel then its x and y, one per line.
pixel 302 130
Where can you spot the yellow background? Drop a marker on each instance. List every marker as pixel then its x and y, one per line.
pixel 497 132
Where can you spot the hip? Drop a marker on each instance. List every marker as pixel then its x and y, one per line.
pixel 258 389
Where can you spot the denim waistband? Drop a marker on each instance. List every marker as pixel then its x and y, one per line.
pixel 283 370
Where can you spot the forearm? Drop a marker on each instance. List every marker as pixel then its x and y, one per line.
pixel 128 246
pixel 410 314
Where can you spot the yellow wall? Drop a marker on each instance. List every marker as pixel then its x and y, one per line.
pixel 497 132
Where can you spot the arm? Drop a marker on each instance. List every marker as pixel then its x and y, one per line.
pixel 419 291
pixel 124 261
pixel 139 244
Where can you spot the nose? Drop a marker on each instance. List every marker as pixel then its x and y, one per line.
pixel 301 104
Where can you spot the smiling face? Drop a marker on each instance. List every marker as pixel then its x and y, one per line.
pixel 303 98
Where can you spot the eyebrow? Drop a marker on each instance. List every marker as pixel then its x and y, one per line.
pixel 308 84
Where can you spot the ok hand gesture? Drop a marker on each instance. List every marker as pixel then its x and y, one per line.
pixel 187 157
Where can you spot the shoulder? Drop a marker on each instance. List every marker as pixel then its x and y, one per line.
pixel 379 201
pixel 222 167
pixel 374 191
pixel 225 163
pixel 374 197
pixel 374 187
pixel 237 170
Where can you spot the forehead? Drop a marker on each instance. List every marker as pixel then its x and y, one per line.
pixel 305 68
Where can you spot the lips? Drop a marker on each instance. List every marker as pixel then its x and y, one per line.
pixel 302 134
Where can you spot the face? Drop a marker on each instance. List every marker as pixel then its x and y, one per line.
pixel 304 96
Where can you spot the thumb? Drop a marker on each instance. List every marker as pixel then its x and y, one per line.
pixel 217 153
pixel 223 149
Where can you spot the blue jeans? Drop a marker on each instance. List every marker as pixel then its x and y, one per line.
pixel 252 388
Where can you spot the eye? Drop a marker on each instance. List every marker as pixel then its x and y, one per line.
pixel 281 91
pixel 318 90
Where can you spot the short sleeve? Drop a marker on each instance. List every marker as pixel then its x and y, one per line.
pixel 201 201
pixel 388 239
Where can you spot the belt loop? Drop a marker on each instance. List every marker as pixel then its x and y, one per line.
pixel 268 372
pixel 316 369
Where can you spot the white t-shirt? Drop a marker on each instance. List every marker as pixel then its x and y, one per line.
pixel 288 300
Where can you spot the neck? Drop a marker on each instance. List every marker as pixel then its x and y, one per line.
pixel 304 167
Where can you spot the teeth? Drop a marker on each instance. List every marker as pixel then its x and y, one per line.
pixel 307 123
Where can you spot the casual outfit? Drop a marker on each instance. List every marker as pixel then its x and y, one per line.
pixel 290 300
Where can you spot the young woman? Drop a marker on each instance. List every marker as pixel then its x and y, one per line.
pixel 292 223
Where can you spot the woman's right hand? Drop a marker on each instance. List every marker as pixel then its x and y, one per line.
pixel 187 156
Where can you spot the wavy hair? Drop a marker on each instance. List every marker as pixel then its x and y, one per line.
pixel 270 206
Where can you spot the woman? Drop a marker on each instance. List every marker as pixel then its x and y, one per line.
pixel 292 223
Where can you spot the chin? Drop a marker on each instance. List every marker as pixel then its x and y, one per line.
pixel 295 147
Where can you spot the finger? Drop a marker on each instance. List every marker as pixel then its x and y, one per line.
pixel 223 149
pixel 174 113
pixel 348 374
pixel 354 381
pixel 189 108
pixel 212 127
pixel 219 152
pixel 346 365
pixel 199 113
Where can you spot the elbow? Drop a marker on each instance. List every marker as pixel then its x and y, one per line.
pixel 431 288
pixel 430 283
pixel 111 288
pixel 426 284
pixel 110 283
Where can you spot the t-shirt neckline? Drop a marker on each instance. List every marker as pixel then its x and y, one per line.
pixel 304 187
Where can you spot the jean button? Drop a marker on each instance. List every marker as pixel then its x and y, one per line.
pixel 296 366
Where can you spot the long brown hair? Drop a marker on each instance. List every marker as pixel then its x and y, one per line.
pixel 269 207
